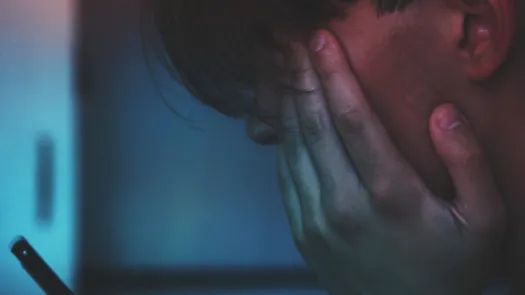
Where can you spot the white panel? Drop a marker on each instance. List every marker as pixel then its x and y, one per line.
pixel 35 96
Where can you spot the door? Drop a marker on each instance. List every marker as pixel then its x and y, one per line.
pixel 37 125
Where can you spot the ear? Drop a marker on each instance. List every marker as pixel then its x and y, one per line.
pixel 488 32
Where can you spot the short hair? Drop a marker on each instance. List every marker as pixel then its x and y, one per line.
pixel 214 47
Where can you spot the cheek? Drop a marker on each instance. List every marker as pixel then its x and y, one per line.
pixel 404 104
pixel 397 87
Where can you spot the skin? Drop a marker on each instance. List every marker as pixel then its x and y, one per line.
pixel 362 217
pixel 435 52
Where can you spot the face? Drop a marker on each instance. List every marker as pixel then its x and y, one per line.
pixel 406 67
pixel 410 62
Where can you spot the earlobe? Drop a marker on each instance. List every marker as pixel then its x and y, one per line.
pixel 489 27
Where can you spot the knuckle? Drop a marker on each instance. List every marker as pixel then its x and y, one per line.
pixel 331 71
pixel 290 125
pixel 468 157
pixel 382 189
pixel 306 81
pixel 351 120
pixel 313 127
pixel 390 201
pixel 341 219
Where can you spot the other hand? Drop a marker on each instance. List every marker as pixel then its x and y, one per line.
pixel 360 215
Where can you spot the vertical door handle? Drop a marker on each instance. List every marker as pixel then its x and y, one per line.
pixel 45 178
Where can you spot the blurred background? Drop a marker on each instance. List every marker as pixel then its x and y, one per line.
pixel 116 192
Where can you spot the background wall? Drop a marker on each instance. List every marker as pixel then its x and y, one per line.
pixel 37 138
pixel 162 201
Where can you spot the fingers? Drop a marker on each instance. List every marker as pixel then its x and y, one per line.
pixel 293 211
pixel 381 168
pixel 292 204
pixel 478 197
pixel 338 181
pixel 302 171
pixel 291 199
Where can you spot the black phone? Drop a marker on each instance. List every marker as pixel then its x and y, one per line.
pixel 37 268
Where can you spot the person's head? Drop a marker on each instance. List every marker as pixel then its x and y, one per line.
pixel 409 56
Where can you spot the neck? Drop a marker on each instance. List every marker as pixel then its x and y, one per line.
pixel 504 141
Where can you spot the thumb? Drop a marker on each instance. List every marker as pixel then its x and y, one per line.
pixel 478 199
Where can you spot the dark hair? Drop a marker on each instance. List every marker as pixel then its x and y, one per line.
pixel 217 48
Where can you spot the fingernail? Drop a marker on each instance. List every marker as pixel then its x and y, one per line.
pixel 450 120
pixel 318 42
